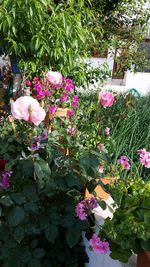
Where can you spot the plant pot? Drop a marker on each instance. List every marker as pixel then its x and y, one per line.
pixel 100 192
pixel 60 112
pixel 143 259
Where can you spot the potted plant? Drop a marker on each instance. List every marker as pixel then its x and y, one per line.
pixel 128 231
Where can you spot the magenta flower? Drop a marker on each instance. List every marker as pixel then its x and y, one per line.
pixel 70 113
pixel 27 108
pixel 35 147
pixel 106 99
pixel 75 101
pixel 52 109
pixel 107 131
pixel 124 161
pixel 54 77
pixel 47 93
pixel 38 87
pixel 80 211
pixel 28 83
pixel 97 245
pixel 64 98
pixel 5 182
pixel 84 207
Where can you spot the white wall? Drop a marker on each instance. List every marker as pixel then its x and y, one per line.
pixel 139 80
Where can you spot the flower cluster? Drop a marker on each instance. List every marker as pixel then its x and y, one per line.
pixel 124 161
pixel 5 182
pixel 84 207
pixel 144 157
pixel 97 245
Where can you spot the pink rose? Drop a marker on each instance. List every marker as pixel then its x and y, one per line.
pixel 106 99
pixel 27 108
pixel 54 77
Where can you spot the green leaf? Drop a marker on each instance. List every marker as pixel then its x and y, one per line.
pixel 18 198
pixel 73 236
pixel 51 232
pixel 43 172
pixel 102 204
pixel 19 234
pixel 34 263
pixel 89 162
pixel 6 201
pixel 16 216
pixel 39 253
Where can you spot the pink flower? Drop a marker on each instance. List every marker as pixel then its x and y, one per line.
pixel 100 169
pixel 27 108
pixel 54 77
pixel 28 83
pixel 70 113
pixel 144 157
pixel 52 109
pixel 107 131
pixel 97 245
pixel 101 147
pixel 124 161
pixel 71 130
pixel 106 99
pixel 80 211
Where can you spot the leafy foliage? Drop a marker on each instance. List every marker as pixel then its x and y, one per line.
pixel 129 229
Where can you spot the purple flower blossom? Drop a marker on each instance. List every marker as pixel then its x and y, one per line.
pixel 35 147
pixel 124 161
pixel 44 135
pixel 5 182
pixel 85 206
pixel 52 109
pixel 97 245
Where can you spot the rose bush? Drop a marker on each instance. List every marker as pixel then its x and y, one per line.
pixel 46 171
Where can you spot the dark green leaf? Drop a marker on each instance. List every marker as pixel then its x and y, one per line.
pixel 19 234
pixel 51 232
pixel 16 216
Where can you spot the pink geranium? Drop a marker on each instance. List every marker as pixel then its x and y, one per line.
pixel 144 157
pixel 106 99
pixel 54 77
pixel 27 108
pixel 97 245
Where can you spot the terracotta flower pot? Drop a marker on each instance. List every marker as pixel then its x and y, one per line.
pixel 143 259
pixel 60 112
pixel 100 192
